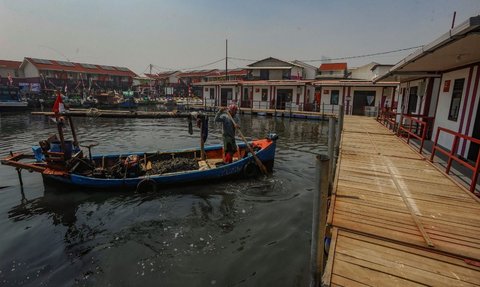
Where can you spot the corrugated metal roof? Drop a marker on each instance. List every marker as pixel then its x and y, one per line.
pixel 80 67
pixel 10 64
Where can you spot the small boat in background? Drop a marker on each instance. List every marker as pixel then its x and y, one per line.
pixel 10 99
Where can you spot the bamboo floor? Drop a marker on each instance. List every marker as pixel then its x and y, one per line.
pixel 396 219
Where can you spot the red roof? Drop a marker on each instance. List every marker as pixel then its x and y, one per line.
pixel 10 64
pixel 333 67
pixel 54 65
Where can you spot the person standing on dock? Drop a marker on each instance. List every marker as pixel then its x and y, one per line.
pixel 229 128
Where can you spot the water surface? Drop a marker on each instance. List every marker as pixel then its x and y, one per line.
pixel 235 233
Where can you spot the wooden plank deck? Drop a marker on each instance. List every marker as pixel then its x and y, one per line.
pixel 394 213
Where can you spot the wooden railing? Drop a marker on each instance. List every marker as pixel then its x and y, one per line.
pixel 453 156
pixel 418 131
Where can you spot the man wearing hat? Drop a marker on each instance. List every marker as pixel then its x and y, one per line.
pixel 229 124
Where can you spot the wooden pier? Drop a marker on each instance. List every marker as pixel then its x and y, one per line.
pixel 395 218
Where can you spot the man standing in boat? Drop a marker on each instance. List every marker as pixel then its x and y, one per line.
pixel 229 127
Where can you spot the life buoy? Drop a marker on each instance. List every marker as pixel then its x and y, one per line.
pixel 146 185
pixel 250 169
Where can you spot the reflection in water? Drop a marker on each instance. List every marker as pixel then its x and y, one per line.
pixel 235 233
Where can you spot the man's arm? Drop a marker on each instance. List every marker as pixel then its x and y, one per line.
pixel 218 116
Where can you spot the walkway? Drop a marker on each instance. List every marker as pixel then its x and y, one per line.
pixel 396 219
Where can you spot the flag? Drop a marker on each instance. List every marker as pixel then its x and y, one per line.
pixel 65 88
pixel 10 79
pixel 58 106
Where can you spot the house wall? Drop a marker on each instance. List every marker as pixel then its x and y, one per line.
pixel 349 105
pixel 30 71
pixel 4 72
pixel 206 95
pixel 326 97
pixel 275 74
pixel 443 106
pixel 421 88
pixel 363 72
pixel 435 92
pixel 309 73
pixel 296 73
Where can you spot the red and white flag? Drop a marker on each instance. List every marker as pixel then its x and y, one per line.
pixel 10 79
pixel 58 106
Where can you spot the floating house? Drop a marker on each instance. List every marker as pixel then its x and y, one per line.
pixel 353 88
pixel 439 85
pixel 54 74
pixel 9 67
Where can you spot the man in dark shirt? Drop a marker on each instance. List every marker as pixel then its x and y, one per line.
pixel 229 127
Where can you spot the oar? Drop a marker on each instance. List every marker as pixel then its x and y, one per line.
pixel 257 160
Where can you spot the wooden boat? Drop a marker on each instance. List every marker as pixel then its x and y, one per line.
pixel 63 162
pixel 132 171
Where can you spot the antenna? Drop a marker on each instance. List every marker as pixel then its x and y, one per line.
pixel 226 59
pixel 453 20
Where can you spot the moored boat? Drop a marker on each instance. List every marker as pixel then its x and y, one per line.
pixel 10 99
pixel 134 171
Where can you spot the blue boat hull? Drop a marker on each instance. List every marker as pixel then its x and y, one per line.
pixel 237 168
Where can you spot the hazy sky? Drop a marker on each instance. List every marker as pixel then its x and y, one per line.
pixel 185 34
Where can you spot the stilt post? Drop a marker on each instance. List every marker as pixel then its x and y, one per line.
pixel 319 220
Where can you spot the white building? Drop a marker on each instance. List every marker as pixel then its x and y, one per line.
pixel 440 84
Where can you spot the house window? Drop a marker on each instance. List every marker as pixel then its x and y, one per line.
pixel 286 75
pixel 264 95
pixel 334 97
pixel 456 99
pixel 212 94
pixel 412 100
pixel 264 75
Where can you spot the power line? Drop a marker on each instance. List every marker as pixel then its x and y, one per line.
pixel 362 56
pixel 159 68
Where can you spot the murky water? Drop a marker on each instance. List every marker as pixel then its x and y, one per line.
pixel 236 233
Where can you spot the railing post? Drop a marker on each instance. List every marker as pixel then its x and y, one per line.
pixel 400 122
pixel 434 145
pixel 341 113
pixel 409 130
pixel 473 185
pixel 319 220
pixel 424 132
pixel 331 149
pixel 452 153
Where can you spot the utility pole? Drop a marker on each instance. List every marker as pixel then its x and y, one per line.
pixel 226 59
pixel 150 92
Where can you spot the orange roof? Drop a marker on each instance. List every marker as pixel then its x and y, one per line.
pixel 333 67
pixel 10 64
pixel 54 65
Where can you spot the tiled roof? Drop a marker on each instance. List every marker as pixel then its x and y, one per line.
pixel 333 67
pixel 10 64
pixel 54 65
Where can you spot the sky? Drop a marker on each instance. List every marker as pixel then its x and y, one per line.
pixel 191 34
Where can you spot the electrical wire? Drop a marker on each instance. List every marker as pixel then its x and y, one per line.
pixel 363 56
